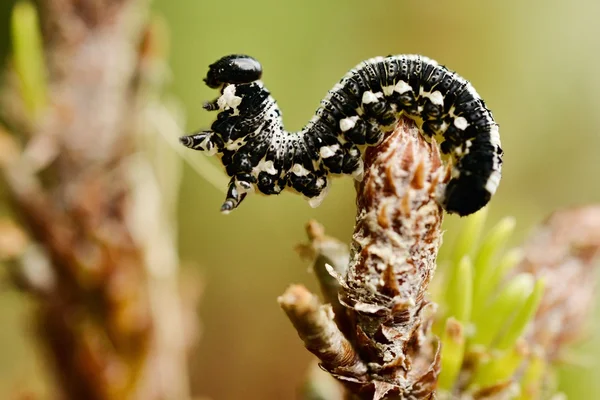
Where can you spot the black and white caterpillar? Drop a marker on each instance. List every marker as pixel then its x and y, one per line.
pixel 258 153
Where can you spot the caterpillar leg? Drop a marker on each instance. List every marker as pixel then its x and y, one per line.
pixel 234 197
pixel 353 163
pixel 374 134
pixel 268 184
pixel 333 158
pixel 377 107
pixel 317 191
pixel 465 195
pixel 203 141
pixel 212 105
pixel 359 130
pixel 354 129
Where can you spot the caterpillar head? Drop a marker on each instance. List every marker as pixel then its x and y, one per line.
pixel 465 195
pixel 235 68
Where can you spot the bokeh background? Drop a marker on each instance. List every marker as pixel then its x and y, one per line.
pixel 534 62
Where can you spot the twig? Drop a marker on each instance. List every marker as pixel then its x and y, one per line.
pixel 385 314
pixel 314 323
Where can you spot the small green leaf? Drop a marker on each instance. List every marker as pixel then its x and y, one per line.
pixel 28 56
pixel 459 293
pixel 468 237
pixel 490 321
pixel 453 350
pixel 499 271
pixel 531 382
pixel 500 367
pixel 488 251
pixel 524 315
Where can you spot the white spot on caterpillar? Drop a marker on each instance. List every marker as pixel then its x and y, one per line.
pixel 436 98
pixel 455 173
pixel 388 90
pixel 466 147
pixel 328 151
pixel 494 135
pixel 493 181
pixel 369 97
pixel 348 123
pixel 461 123
pixel 463 149
pixel 402 87
pixel 495 141
pixel 229 99
pixel 236 144
pixel 267 166
pixel 299 170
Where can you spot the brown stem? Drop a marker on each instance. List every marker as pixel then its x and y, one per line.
pixel 385 314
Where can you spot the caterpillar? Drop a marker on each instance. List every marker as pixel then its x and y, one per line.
pixel 259 154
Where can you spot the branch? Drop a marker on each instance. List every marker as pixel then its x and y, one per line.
pixel 382 309
pixel 109 318
pixel 563 252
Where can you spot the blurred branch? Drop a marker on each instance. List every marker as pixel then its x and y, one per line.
pixel 109 317
pixel 564 252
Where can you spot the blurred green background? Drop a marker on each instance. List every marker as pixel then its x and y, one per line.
pixel 534 62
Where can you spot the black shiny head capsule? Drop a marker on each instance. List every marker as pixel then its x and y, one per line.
pixel 236 68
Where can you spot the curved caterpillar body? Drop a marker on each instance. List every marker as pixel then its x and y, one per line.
pixel 258 153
